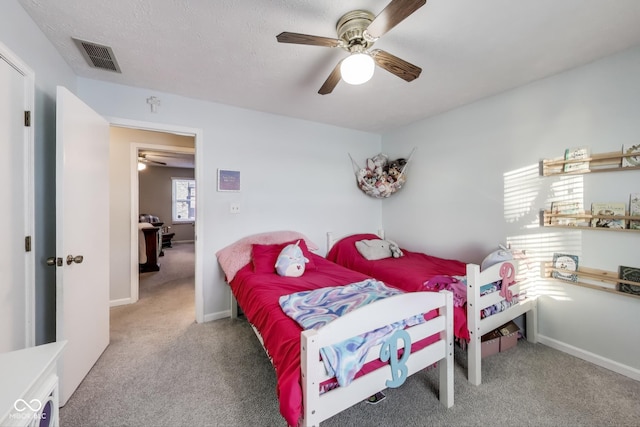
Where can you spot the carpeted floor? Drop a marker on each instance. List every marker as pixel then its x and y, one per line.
pixel 163 369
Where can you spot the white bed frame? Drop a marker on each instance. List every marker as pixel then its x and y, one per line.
pixel 318 407
pixel 475 304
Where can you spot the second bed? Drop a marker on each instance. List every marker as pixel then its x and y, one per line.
pixel 477 310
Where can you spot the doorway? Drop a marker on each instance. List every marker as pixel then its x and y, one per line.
pixel 124 213
pixel 166 211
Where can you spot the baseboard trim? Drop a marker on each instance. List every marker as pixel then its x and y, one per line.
pixel 216 316
pixel 612 365
pixel 117 302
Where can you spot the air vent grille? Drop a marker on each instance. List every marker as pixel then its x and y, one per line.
pixel 98 56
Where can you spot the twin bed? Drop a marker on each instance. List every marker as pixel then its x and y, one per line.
pixel 476 309
pixel 307 394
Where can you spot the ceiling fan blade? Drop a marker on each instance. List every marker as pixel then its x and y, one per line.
pixel 143 158
pixel 392 15
pixel 395 65
pixel 331 81
pixel 307 39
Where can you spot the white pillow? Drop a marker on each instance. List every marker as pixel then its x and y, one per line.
pixel 374 249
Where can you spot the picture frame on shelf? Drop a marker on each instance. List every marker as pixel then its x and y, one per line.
pixel 631 274
pixel 631 161
pixel 607 213
pixel 566 262
pixel 228 180
pixel 576 153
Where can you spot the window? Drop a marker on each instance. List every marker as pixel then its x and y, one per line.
pixel 183 199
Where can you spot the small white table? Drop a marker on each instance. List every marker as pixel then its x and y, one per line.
pixel 29 387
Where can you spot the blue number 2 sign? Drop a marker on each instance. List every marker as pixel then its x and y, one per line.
pixel 389 352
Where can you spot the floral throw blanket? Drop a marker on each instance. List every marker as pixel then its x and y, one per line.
pixel 314 309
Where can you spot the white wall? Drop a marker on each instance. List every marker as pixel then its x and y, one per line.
pixel 24 38
pixel 295 174
pixel 474 183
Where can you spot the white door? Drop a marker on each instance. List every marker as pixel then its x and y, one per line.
pixel 82 230
pixel 16 264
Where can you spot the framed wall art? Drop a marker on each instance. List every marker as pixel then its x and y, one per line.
pixel 228 180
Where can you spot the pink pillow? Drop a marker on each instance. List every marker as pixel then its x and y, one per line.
pixel 235 256
pixel 264 257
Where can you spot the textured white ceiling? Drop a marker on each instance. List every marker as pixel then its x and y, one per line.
pixel 226 51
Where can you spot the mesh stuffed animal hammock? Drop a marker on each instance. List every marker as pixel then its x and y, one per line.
pixel 381 177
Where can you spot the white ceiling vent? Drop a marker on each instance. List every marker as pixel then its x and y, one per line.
pixel 98 56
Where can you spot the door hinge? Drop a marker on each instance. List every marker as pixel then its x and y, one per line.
pixel 27 118
pixel 27 244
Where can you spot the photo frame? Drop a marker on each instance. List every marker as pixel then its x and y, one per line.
pixel 228 180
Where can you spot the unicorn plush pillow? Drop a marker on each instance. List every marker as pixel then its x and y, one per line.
pixel 291 261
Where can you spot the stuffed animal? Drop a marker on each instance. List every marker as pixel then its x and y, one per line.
pixel 396 252
pixel 375 249
pixel 291 261
pixel 394 171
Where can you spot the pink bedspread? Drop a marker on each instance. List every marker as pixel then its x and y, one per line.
pixel 408 273
pixel 258 295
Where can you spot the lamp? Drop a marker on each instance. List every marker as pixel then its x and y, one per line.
pixel 357 68
pixel 141 166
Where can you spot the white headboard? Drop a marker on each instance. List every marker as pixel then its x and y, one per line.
pixel 331 240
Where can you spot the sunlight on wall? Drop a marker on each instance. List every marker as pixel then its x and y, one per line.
pixel 526 193
pixel 521 189
pixel 537 250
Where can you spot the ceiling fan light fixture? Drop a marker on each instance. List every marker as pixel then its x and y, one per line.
pixel 357 68
pixel 141 166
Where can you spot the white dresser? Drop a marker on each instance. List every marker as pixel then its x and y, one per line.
pixel 29 386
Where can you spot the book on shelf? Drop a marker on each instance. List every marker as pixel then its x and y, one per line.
pixel 565 262
pixel 634 210
pixel 567 208
pixel 631 274
pixel 630 161
pixel 605 215
pixel 576 154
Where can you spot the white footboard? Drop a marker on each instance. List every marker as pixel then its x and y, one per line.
pixel 319 407
pixel 476 303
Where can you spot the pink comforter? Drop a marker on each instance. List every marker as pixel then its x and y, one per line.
pixel 408 273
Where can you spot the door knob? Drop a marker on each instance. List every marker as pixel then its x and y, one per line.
pixel 53 261
pixel 77 259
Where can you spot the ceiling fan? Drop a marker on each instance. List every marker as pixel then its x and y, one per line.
pixel 357 31
pixel 142 157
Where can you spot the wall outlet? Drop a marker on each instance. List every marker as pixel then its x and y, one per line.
pixel 234 208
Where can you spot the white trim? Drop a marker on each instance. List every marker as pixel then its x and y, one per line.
pixel 216 316
pixel 121 301
pixel 612 365
pixel 29 191
pixel 199 177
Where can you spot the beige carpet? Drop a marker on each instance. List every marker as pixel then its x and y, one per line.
pixel 162 369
